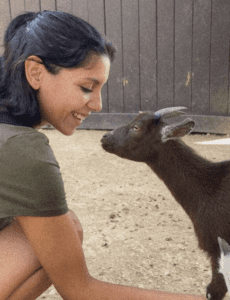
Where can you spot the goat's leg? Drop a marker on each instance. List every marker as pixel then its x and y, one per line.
pixel 217 288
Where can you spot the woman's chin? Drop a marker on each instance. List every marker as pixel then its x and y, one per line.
pixel 67 131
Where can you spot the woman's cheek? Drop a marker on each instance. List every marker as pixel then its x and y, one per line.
pixel 86 97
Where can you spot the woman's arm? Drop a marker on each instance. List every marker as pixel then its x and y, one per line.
pixel 58 248
pixel 109 291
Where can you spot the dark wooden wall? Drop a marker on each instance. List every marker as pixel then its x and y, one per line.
pixel 170 53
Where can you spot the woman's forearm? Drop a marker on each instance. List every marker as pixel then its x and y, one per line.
pixel 99 290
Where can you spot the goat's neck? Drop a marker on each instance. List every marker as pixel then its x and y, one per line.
pixel 186 174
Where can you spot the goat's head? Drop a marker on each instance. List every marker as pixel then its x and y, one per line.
pixel 144 136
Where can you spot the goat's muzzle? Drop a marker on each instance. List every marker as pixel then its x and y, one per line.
pixel 106 142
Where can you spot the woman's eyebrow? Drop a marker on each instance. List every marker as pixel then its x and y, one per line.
pixel 94 80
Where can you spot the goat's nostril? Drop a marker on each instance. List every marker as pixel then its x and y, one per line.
pixel 107 134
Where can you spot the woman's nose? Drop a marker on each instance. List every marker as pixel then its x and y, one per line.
pixel 95 104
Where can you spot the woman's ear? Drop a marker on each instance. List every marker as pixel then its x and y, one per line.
pixel 34 70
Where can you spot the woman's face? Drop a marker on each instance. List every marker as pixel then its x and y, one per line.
pixel 67 98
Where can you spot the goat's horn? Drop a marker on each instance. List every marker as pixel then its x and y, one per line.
pixel 170 112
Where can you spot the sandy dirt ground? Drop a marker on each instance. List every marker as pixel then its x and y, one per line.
pixel 135 233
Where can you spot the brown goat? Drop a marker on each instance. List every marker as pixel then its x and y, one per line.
pixel 200 186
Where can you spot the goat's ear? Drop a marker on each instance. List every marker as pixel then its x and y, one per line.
pixel 177 131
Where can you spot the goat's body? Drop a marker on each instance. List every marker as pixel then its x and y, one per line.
pixel 201 187
pixel 181 169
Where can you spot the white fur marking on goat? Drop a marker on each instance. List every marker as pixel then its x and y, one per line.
pixel 224 261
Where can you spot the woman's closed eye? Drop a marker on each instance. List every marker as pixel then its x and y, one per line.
pixel 85 90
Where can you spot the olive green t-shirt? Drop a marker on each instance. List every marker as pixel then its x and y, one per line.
pixel 30 180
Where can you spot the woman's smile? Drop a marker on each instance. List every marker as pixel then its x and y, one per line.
pixel 80 117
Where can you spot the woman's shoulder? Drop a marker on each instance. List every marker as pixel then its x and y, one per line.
pixel 30 174
pixel 25 142
pixel 10 131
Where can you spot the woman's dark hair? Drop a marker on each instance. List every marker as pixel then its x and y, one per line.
pixel 59 39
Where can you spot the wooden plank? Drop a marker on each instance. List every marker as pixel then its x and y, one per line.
pixel 201 57
pixel 219 57
pixel 148 88
pixel 17 7
pixel 104 98
pixel 131 63
pixel 96 13
pixel 48 5
pixel 212 124
pixel 204 124
pixel 183 52
pixel 165 53
pixel 114 34
pixel 32 5
pixel 64 5
pixel 80 9
pixel 4 21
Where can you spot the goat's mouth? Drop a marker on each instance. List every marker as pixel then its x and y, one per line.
pixel 107 146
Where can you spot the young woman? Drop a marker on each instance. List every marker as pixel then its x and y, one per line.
pixel 52 72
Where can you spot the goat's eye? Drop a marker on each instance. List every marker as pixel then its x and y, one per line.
pixel 136 128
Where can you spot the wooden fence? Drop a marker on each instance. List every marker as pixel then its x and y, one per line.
pixel 170 53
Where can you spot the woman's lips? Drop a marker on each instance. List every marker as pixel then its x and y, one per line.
pixel 80 117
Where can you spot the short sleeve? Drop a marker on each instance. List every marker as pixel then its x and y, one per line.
pixel 30 178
